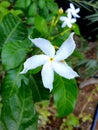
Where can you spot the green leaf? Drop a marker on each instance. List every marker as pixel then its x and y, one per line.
pixel 12 82
pixel 41 4
pixel 52 7
pixel 13 53
pixel 22 4
pixel 38 90
pixel 76 29
pixel 11 29
pixel 2 127
pixel 33 9
pixel 18 112
pixel 3 12
pixel 30 21
pixel 72 120
pixel 78 54
pixel 16 12
pixel 41 25
pixel 65 94
pixel 4 4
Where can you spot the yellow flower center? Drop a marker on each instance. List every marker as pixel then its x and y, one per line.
pixel 51 59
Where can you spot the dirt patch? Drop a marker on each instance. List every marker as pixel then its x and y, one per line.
pixel 86 105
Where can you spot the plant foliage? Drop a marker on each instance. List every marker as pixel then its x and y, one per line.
pixel 22 19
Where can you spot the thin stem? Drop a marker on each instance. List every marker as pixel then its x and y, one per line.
pixel 61 33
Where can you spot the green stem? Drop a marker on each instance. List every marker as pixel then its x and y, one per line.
pixel 61 33
pixel 57 19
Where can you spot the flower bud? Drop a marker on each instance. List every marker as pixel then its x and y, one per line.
pixel 60 11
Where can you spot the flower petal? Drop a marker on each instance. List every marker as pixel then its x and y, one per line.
pixel 62 18
pixel 44 45
pixel 47 76
pixel 77 10
pixel 69 15
pixel 66 48
pixel 75 14
pixel 63 24
pixel 64 70
pixel 69 24
pixel 72 6
pixel 33 62
pixel 73 20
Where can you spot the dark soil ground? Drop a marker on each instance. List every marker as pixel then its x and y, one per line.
pixel 86 105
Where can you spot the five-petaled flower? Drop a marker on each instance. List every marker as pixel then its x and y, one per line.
pixel 51 61
pixel 67 21
pixel 72 11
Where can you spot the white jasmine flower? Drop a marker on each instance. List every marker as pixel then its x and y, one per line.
pixel 72 11
pixel 67 21
pixel 51 62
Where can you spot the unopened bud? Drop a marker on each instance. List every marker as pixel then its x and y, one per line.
pixel 60 11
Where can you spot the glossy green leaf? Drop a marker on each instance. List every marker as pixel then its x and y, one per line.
pixel 4 4
pixel 39 91
pixel 12 81
pixel 13 53
pixel 41 4
pixel 16 12
pixel 11 29
pixel 22 4
pixel 65 94
pixel 76 29
pixel 30 21
pixel 18 112
pixel 52 7
pixel 2 127
pixel 78 54
pixel 33 9
pixel 3 12
pixel 41 25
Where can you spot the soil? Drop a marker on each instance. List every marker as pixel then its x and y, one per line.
pixel 86 105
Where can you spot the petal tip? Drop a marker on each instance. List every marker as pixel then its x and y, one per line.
pixel 74 76
pixel 72 34
pixel 21 72
pixel 24 71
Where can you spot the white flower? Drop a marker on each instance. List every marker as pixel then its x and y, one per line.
pixel 72 11
pixel 67 21
pixel 51 62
